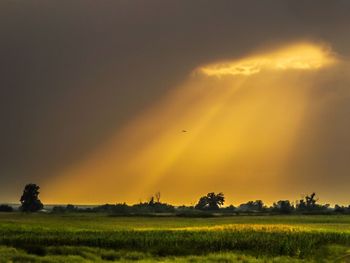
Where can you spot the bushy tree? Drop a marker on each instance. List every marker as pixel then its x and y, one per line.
pixel 152 207
pixel 229 209
pixel 30 201
pixel 121 208
pixel 309 204
pixel 252 206
pixel 340 209
pixel 283 206
pixel 211 201
pixel 202 203
pixel 71 208
pixel 58 209
pixel 6 208
pixel 151 201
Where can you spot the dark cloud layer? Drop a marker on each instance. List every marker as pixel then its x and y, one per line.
pixel 73 72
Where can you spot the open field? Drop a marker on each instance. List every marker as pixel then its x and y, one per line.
pixel 104 238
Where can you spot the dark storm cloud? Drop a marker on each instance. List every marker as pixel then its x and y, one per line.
pixel 73 72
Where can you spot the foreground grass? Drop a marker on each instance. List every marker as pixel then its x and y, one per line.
pixel 67 254
pixel 99 238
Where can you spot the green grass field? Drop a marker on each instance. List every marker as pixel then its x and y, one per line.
pixel 102 238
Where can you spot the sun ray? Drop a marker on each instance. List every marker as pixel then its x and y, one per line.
pixel 240 119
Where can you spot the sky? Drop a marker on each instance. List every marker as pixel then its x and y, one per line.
pixel 112 101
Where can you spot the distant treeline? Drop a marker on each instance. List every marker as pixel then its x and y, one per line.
pixel 209 205
pixel 212 205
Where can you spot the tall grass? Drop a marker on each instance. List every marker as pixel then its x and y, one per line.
pixel 181 242
pixel 269 236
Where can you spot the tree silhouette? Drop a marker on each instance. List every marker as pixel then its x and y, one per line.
pixel 283 206
pixel 252 206
pixel 6 208
pixel 309 203
pixel 211 201
pixel 151 201
pixel 202 203
pixel 29 200
pixel 311 200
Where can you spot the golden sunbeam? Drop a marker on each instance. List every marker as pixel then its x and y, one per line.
pixel 239 127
